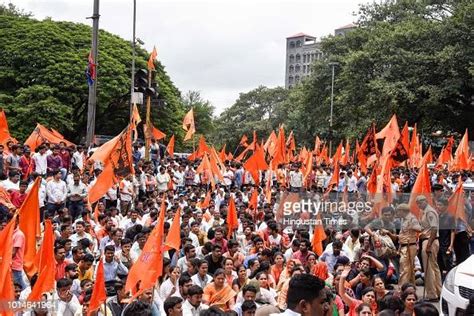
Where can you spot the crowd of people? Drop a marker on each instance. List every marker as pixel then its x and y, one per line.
pixel 370 265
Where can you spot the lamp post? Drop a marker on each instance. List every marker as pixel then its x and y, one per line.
pixel 132 84
pixel 92 101
pixel 333 65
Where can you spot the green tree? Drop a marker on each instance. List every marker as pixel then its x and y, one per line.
pixel 261 110
pixel 42 78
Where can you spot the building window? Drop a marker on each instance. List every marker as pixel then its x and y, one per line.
pixel 304 69
pixel 297 68
pixel 292 69
pixel 292 44
pixel 292 59
pixel 290 80
pixel 298 58
pixel 297 79
pixel 304 58
pixel 298 43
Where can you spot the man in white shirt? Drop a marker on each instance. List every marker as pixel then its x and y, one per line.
pixel 193 305
pixel 12 183
pixel 296 179
pixel 126 194
pixel 228 177
pixel 80 234
pixel 163 178
pixel 352 182
pixel 178 178
pixel 76 193
pixel 189 253
pixel 78 157
pixel 56 192
pixel 40 160
pixel 67 304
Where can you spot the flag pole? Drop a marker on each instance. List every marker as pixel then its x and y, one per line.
pixel 92 102
pixel 148 121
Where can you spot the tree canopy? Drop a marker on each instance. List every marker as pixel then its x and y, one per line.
pixel 42 78
pixel 412 58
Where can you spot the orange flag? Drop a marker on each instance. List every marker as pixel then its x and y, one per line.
pixel 5 199
pixel 319 236
pixel 456 202
pixel 7 291
pixel 99 294
pixel 422 186
pixel 47 265
pixel 151 60
pixel 41 134
pixel 222 154
pixel 4 132
pixel 232 220
pixel 170 147
pixel 253 202
pixel 334 181
pixel 337 155
pixel 309 166
pixel 427 158
pixel 255 163
pixel 270 144
pixel 391 134
pixel 202 147
pixel 345 159
pixel 155 133
pixel 280 149
pixel 30 226
pixel 150 259
pixel 207 201
pixel 173 239
pixel 243 141
pixel 188 125
pixel 117 165
pixel 317 145
pixel 461 156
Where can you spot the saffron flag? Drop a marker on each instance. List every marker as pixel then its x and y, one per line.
pixel 150 259
pixel 170 147
pixel 47 265
pixel 422 186
pixel 232 220
pixel 253 202
pixel 117 165
pixel 319 236
pixel 243 141
pixel 99 294
pixel 255 163
pixel 461 155
pixel 7 291
pixel 4 132
pixel 334 181
pixel 5 199
pixel 207 201
pixel 457 202
pixel 91 70
pixel 391 134
pixel 188 125
pixel 173 239
pixel 41 134
pixel 30 225
pixel 400 153
pixel 151 60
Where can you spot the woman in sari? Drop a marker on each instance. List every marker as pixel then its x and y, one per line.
pixel 278 266
pixel 285 274
pixel 241 280
pixel 219 293
pixel 229 272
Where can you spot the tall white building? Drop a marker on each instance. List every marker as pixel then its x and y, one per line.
pixel 301 51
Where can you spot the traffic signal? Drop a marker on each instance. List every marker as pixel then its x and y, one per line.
pixel 142 85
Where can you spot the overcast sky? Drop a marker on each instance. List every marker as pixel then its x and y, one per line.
pixel 217 47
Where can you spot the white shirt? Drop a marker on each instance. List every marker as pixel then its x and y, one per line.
pixel 126 191
pixel 352 186
pixel 79 189
pixel 296 179
pixel 56 191
pixel 163 180
pixel 228 177
pixel 9 185
pixel 41 164
pixel 78 160
pixel 190 310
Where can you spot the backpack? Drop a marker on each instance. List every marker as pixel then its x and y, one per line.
pixel 385 248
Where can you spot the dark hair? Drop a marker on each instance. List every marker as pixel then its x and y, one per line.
pixel 367 290
pixel 406 286
pixel 87 258
pixel 171 302
pixel 109 248
pixel 408 292
pixel 303 287
pixel 188 247
pixel 215 247
pixel 218 272
pixel 392 303
pixel 361 307
pixel 248 305
pixel 183 279
pixel 425 309
pixel 249 288
pixel 195 290
pixel 62 283
pixel 137 308
pixel 71 267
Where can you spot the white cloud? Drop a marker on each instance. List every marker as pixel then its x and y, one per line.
pixel 219 47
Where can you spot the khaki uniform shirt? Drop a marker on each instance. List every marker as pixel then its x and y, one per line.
pixel 429 220
pixel 409 229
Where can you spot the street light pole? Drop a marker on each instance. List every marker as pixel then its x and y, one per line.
pixel 92 101
pixel 132 84
pixel 333 65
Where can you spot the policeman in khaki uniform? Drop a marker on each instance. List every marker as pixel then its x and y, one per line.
pixel 407 239
pixel 429 249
